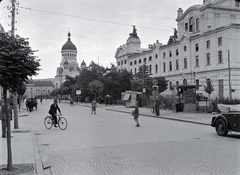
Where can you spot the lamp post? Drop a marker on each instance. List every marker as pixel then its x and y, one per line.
pixel 194 75
pixel 229 76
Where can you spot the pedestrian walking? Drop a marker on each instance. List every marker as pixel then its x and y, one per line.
pixel 94 106
pixel 135 114
pixel 3 116
pixel 157 106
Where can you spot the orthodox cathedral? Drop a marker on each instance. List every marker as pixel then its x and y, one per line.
pixel 68 65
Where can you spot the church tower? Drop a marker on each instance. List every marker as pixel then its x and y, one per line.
pixel 68 65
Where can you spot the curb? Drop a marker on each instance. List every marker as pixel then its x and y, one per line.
pixel 42 164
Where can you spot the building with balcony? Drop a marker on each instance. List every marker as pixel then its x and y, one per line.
pixel 205 44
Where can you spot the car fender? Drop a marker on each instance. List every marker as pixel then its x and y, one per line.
pixel 220 116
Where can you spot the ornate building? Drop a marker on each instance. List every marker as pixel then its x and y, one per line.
pixel 69 65
pixel 204 45
pixel 38 88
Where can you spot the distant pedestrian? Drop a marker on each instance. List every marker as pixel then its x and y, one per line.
pixel 135 114
pixel 94 106
pixel 157 106
pixel 71 102
pixel 3 116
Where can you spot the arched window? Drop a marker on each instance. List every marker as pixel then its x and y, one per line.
pixel 185 63
pixel 140 61
pixel 130 63
pixel 135 62
pixel 150 58
pixel 184 81
pixel 191 24
pixel 156 56
pixel 145 60
pixel 156 68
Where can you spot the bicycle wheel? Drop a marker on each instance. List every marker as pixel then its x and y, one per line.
pixel 62 123
pixel 48 122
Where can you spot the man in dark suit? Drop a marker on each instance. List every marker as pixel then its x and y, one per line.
pixel 53 111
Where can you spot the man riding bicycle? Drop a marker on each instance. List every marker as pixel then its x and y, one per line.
pixel 53 111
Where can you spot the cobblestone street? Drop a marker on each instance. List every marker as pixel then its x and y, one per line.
pixel 108 143
pixel 172 157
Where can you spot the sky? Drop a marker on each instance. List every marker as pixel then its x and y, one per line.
pixel 97 27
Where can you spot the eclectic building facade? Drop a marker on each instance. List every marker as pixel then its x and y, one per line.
pixel 39 88
pixel 204 45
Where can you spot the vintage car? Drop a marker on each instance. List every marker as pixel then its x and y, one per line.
pixel 201 97
pixel 228 120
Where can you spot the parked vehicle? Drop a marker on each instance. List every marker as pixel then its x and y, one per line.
pixel 201 97
pixel 228 120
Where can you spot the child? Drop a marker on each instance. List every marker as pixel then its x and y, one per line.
pixel 135 113
pixel 94 106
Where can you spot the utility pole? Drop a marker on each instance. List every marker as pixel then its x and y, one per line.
pixel 229 77
pixel 13 12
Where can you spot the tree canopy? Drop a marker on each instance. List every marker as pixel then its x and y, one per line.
pixel 17 61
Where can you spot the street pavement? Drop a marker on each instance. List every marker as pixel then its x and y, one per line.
pixel 28 155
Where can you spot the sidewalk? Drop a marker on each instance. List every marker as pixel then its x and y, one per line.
pixel 25 153
pixel 28 158
pixel 197 118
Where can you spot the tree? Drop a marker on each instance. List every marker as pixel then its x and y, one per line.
pixel 208 88
pixel 115 82
pixel 17 63
pixel 162 84
pixel 95 87
pixel 143 78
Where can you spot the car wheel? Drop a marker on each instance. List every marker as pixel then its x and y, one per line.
pixel 221 127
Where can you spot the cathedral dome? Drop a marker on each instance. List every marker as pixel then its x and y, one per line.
pixel 69 45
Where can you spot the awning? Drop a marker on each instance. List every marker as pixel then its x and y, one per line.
pixel 126 97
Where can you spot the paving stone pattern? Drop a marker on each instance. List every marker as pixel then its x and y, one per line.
pixel 18 169
pixel 201 157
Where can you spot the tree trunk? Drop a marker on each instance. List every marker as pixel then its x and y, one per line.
pixel 15 111
pixel 19 103
pixel 9 148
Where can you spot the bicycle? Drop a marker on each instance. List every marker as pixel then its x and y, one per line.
pixel 61 121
